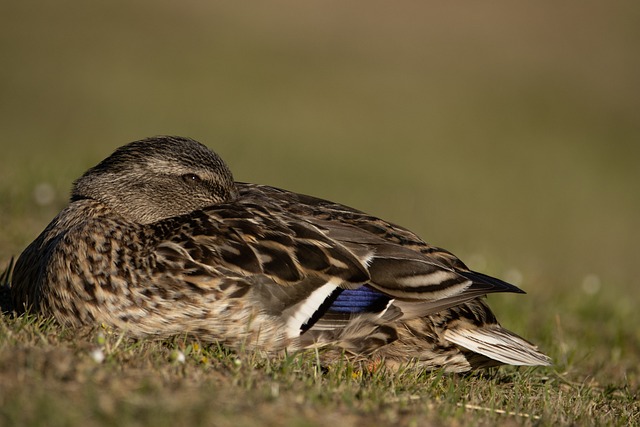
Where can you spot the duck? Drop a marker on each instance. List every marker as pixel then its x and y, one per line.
pixel 159 240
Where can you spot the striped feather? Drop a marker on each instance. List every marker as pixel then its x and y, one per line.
pixel 499 344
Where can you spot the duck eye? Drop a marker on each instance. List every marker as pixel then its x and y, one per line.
pixel 191 177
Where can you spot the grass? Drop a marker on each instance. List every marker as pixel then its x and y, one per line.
pixel 506 133
pixel 52 376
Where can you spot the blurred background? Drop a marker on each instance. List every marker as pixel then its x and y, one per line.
pixel 508 133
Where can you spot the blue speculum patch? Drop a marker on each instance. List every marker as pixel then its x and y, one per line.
pixel 361 300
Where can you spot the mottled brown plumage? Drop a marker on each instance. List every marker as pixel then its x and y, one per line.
pixel 159 240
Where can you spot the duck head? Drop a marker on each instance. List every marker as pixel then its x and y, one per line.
pixel 156 178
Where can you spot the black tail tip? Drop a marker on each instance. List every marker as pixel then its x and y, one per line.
pixel 497 285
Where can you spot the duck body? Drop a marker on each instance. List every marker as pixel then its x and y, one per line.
pixel 253 266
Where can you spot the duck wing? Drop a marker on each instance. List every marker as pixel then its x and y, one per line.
pixel 398 262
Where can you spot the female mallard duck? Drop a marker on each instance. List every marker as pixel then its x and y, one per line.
pixel 159 240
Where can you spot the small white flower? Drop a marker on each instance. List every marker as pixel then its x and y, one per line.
pixel 275 390
pixel 591 284
pixel 97 355
pixel 44 194
pixel 513 275
pixel 177 356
